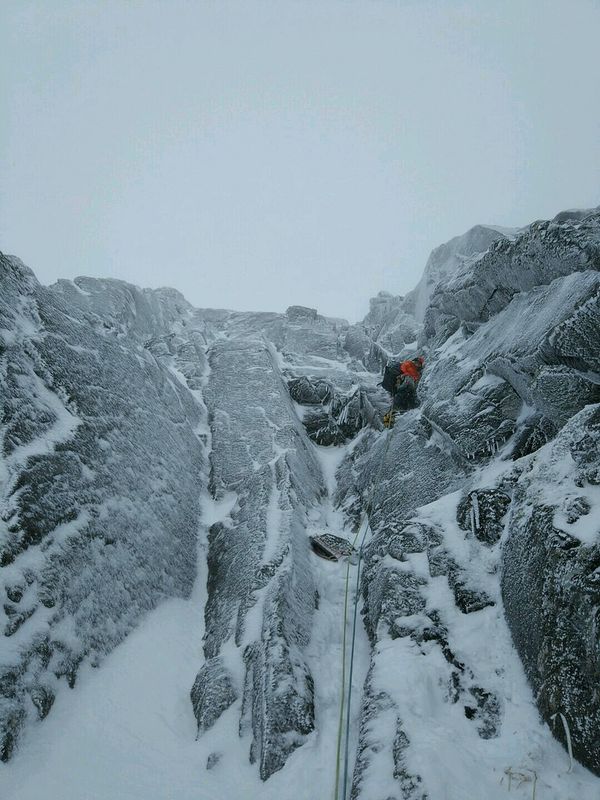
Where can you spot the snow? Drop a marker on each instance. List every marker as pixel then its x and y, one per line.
pixel 330 459
pixel 274 520
pixel 217 510
pixel 63 428
pixel 487 380
pixel 455 762
pixel 325 649
pixel 128 731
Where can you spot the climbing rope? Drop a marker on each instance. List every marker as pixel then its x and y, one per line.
pixel 365 524
pixel 345 706
pixel 355 616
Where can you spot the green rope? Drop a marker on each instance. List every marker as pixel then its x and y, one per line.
pixel 355 615
pixel 343 695
pixel 364 522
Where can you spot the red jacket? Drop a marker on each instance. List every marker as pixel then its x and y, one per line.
pixel 410 368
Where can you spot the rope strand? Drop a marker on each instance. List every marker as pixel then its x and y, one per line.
pixel 364 527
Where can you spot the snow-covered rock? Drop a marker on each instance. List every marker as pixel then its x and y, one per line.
pixel 145 441
pixel 260 592
pixel 100 482
pixel 394 322
pixel 485 284
pixel 540 352
pixel 446 260
pixel 513 344
pixel 551 580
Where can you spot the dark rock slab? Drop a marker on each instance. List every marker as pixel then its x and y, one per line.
pixel 212 693
pixel 550 582
pixel 482 512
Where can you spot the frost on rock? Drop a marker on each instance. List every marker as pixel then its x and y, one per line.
pixel 486 284
pixel 310 393
pixel 364 351
pixel 551 580
pixel 534 432
pixel 260 586
pixel 343 417
pixel 394 323
pixel 482 513
pixel 448 258
pixel 123 407
pixel 212 693
pixel 100 484
pixel 398 472
pixel 475 390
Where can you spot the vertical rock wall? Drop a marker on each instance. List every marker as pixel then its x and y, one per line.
pixel 100 479
pixel 260 589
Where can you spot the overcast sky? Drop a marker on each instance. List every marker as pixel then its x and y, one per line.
pixel 260 154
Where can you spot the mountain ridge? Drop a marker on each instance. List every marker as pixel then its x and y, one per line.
pixel 128 414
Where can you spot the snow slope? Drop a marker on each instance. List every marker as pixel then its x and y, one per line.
pixel 129 730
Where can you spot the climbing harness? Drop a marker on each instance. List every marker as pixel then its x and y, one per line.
pixel 360 538
pixel 389 418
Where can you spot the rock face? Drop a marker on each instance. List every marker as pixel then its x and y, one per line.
pixel 539 351
pixel 551 580
pixel 136 427
pixel 212 693
pixel 446 260
pixel 482 512
pixel 259 558
pixel 485 285
pixel 512 338
pixel 100 481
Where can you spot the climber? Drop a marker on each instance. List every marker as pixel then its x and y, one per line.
pixel 400 380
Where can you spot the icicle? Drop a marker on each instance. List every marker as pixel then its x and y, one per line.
pixel 568 735
pixel 475 508
pixel 472 516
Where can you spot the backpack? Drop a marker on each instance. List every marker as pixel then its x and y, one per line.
pixel 390 375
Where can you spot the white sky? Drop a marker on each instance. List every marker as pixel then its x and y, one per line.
pixel 260 154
